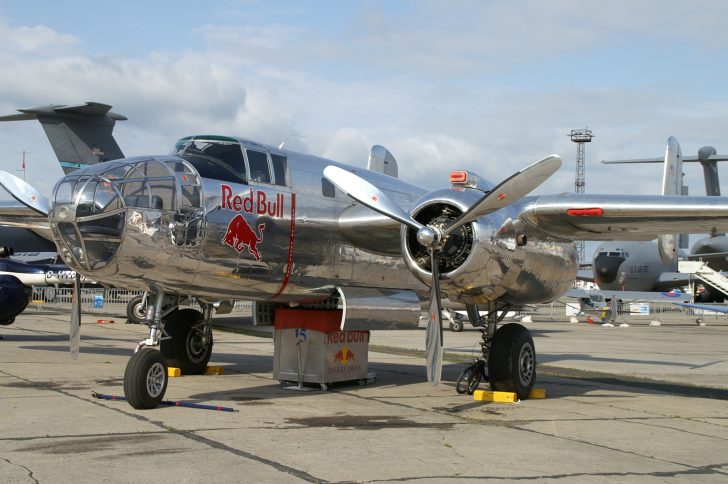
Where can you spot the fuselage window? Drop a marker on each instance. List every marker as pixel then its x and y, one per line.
pixel 215 159
pixel 327 188
pixel 258 164
pixel 279 169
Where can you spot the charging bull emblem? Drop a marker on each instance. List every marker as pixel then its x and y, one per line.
pixel 344 355
pixel 239 234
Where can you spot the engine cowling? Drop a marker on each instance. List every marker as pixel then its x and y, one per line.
pixel 480 261
pixel 464 255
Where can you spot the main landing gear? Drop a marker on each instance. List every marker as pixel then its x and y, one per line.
pixel 509 353
pixel 184 338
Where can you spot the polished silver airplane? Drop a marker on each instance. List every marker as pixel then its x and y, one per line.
pixel 223 218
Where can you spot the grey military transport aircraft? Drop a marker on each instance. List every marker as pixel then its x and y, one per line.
pixel 643 265
pixel 650 266
pixel 223 218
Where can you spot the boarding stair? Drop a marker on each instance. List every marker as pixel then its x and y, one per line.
pixel 701 270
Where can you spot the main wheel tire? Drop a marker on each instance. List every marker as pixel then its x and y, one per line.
pixel 145 379
pixel 136 310
pixel 188 349
pixel 512 361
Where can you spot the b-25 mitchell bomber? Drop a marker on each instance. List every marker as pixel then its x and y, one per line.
pixel 224 218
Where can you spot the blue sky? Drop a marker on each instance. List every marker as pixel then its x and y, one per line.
pixel 485 86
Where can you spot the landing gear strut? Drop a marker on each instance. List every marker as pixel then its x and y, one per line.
pixel 187 344
pixel 509 352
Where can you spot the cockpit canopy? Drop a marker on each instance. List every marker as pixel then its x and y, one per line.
pixel 233 160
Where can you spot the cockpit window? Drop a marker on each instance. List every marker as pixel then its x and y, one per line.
pixel 219 160
pixel 259 169
pixel 280 165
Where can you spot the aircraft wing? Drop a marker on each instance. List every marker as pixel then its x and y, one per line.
pixel 14 214
pixel 673 279
pixel 585 275
pixel 705 307
pixel 707 257
pixel 632 296
pixel 622 217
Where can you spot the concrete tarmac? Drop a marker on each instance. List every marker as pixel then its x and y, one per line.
pixel 638 404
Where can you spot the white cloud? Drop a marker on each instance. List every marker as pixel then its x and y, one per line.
pixel 432 83
pixel 37 41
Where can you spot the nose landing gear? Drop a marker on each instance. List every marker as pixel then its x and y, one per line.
pixel 185 343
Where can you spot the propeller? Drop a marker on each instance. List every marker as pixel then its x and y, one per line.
pixel 510 190
pixel 25 193
pixel 75 329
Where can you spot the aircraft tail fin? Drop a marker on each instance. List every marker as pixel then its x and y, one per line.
pixel 80 135
pixel 672 184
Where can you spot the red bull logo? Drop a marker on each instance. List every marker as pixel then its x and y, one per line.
pixel 344 356
pixel 239 235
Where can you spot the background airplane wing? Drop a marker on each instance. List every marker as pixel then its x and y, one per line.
pixel 15 214
pixel 705 307
pixel 673 296
pixel 621 217
pixel 717 256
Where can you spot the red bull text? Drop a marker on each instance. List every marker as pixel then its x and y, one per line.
pixel 254 202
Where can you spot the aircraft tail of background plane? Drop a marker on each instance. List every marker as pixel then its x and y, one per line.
pixel 80 135
pixel 672 184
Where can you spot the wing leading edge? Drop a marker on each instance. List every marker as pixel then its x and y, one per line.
pixel 618 217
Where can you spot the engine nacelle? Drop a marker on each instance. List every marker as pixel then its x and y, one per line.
pixel 481 261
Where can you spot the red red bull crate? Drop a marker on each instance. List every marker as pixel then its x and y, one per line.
pixel 327 354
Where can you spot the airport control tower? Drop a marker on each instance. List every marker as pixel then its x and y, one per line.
pixel 580 137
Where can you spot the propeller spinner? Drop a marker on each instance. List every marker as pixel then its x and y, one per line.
pixel 433 238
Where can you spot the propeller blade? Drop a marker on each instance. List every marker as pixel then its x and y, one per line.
pixel 367 194
pixel 434 324
pixel 509 190
pixel 75 331
pixel 25 193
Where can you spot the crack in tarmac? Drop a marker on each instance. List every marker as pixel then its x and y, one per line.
pixel 30 473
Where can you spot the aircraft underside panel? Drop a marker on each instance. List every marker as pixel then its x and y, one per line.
pixel 370 308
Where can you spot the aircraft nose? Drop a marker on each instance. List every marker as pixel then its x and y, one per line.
pixel 606 268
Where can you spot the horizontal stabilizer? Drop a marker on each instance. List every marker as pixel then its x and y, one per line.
pixel 690 159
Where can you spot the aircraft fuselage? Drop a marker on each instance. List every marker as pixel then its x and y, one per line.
pixel 156 223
